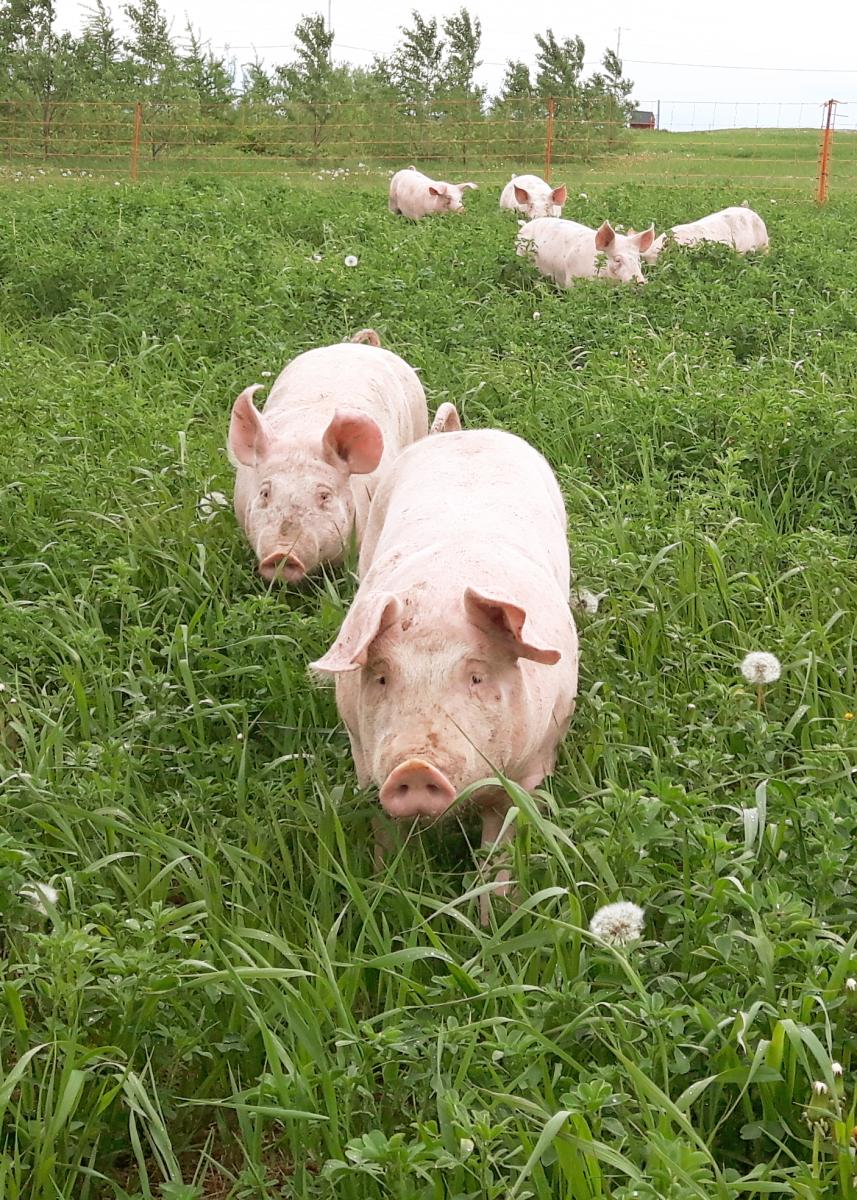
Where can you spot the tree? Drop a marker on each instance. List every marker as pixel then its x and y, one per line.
pixel 150 48
pixel 208 78
pixel 38 64
pixel 464 35
pixel 559 66
pixel 415 68
pixel 311 79
pixel 101 54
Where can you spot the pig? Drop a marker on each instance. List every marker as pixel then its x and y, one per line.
pixel 307 466
pixel 530 195
pixel 458 656
pixel 414 195
pixel 738 227
pixel 564 250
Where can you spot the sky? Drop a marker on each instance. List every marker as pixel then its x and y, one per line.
pixel 736 62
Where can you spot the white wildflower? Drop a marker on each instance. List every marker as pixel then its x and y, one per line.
pixel 588 601
pixel 759 667
pixel 836 1068
pixel 39 896
pixel 210 504
pixel 537 316
pixel 351 260
pixel 316 258
pixel 819 1087
pixel 618 924
pixel 266 374
pixel 582 196
pixel 851 984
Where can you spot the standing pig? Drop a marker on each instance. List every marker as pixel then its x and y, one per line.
pixel 530 195
pixel 414 195
pixel 308 464
pixel 738 227
pixel 565 250
pixel 458 656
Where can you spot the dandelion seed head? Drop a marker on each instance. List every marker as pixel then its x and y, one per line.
pixel 851 984
pixel 589 601
pixel 618 924
pixel 351 260
pixel 537 316
pixel 836 1068
pixel 820 1087
pixel 760 667
pixel 210 504
pixel 39 896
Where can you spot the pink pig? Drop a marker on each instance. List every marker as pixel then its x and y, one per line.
pixel 529 194
pixel 566 250
pixel 739 227
pixel 307 466
pixel 458 657
pixel 414 195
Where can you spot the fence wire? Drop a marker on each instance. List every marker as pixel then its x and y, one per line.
pixel 696 143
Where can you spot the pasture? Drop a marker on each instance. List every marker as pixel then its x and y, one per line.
pixel 224 1000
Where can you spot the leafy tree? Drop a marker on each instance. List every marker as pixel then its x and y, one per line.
pixel 207 77
pixel 311 80
pixel 150 49
pixel 103 65
pixel 559 65
pixel 464 36
pixel 38 64
pixel 415 69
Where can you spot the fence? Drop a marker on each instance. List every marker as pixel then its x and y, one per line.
pixel 146 139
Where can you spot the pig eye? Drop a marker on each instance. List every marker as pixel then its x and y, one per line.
pixel 324 497
pixel 381 680
pixel 265 493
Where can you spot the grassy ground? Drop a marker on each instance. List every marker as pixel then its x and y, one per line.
pixel 223 1000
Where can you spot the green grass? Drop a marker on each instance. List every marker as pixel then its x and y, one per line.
pixel 224 1000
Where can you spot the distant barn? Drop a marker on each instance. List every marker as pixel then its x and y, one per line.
pixel 640 119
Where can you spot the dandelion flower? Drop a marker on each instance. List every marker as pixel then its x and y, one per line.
pixel 589 601
pixel 849 716
pixel 836 1068
pixel 759 668
pixel 851 984
pixel 618 924
pixel 210 504
pixel 351 260
pixel 819 1087
pixel 39 896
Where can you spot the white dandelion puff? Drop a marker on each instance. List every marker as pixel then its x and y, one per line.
pixel 836 1069
pixel 618 924
pixel 582 196
pixel 537 316
pixel 588 601
pixel 351 260
pixel 209 505
pixel 851 984
pixel 819 1087
pixel 759 667
pixel 316 258
pixel 39 896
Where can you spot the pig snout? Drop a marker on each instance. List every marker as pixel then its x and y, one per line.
pixel 416 789
pixel 281 565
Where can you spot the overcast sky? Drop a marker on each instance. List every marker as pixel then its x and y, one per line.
pixel 763 63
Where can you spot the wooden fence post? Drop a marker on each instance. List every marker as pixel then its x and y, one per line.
pixel 549 139
pixel 135 144
pixel 824 158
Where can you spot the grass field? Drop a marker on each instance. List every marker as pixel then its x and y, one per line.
pixel 224 1001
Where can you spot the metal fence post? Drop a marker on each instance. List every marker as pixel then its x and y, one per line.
pixel 824 158
pixel 135 144
pixel 549 139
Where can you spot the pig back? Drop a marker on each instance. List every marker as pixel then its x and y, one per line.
pixel 477 494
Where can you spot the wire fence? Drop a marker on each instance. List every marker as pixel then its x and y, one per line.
pixel 456 138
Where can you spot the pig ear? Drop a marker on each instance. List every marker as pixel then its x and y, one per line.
pixel 560 194
pixel 352 438
pixel 248 435
pixel 506 620
pixel 474 186
pixel 522 195
pixel 446 420
pixel 366 620
pixel 604 236
pixel 437 191
pixel 645 239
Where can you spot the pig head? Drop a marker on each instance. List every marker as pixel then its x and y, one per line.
pixel 439 688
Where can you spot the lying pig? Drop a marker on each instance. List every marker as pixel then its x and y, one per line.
pixel 738 227
pixel 308 464
pixel 530 195
pixel 414 195
pixel 565 250
pixel 458 656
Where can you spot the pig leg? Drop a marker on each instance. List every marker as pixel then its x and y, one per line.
pixel 492 824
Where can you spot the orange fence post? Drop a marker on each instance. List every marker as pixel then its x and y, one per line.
pixel 824 158
pixel 135 144
pixel 549 139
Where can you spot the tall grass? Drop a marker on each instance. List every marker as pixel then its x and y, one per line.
pixel 224 1000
